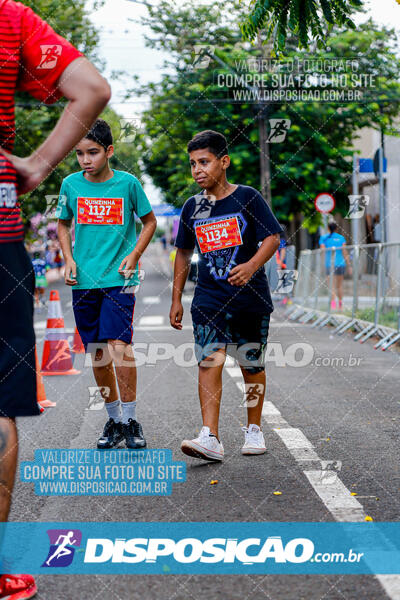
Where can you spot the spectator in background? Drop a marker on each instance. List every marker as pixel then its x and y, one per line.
pixel 40 266
pixel 330 241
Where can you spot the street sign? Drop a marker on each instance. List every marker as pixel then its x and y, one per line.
pixel 366 165
pixel 324 203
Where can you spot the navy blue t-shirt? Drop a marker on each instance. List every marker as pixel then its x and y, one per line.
pixel 227 233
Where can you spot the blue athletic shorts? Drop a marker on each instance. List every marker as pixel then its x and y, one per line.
pixel 104 314
pixel 243 336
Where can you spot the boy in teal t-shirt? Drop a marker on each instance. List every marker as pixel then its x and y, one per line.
pixel 102 270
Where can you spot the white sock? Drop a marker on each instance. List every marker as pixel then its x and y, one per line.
pixel 128 411
pixel 114 410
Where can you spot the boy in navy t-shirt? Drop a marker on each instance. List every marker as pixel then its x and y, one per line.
pixel 235 234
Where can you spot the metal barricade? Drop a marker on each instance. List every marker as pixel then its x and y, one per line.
pixel 370 291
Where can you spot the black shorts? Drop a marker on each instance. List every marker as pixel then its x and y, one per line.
pixel 17 336
pixel 243 335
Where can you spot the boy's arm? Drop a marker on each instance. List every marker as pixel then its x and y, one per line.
pixel 181 272
pixel 88 93
pixel 241 274
pixel 149 226
pixel 64 236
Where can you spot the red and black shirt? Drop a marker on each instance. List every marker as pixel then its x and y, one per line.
pixel 32 59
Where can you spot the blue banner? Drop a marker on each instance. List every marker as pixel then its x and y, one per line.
pixel 201 548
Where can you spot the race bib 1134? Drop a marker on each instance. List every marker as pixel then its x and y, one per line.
pixel 100 211
pixel 216 235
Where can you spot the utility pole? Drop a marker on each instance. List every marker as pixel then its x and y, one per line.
pixel 262 115
pixel 262 112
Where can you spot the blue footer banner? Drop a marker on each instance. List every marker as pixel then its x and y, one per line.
pixel 196 548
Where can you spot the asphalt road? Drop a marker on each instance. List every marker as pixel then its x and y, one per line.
pixel 345 416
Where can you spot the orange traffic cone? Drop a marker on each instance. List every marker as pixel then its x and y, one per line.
pixel 56 358
pixel 40 391
pixel 77 344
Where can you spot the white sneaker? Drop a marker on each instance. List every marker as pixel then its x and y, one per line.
pixel 254 442
pixel 205 446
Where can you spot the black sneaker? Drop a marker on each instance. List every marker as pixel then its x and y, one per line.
pixel 112 435
pixel 133 434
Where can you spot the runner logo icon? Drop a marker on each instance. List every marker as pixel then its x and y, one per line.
pixel 62 547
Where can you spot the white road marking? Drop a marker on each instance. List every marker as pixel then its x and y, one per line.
pixel 151 300
pixel 187 298
pixel 293 438
pixel 269 409
pixel 40 325
pixel 391 585
pixel 336 497
pixel 234 371
pixel 151 320
pixel 331 490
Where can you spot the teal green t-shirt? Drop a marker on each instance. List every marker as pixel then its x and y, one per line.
pixel 105 232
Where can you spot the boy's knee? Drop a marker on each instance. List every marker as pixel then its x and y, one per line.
pixel 121 352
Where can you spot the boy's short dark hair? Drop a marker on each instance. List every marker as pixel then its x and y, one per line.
pixel 100 132
pixel 212 140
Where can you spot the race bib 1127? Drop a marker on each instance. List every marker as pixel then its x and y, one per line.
pixel 100 211
pixel 216 235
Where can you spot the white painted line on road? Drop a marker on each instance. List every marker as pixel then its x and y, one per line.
pixel 293 438
pixel 152 320
pixel 40 325
pixel 336 497
pixel 269 409
pixel 234 371
pixel 187 298
pixel 272 415
pixel 330 489
pixel 151 300
pixel 391 585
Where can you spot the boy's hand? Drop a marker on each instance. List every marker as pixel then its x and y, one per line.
pixel 176 314
pixel 128 265
pixel 241 274
pixel 70 272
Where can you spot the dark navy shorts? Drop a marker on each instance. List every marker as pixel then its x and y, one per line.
pixel 336 270
pixel 17 336
pixel 104 314
pixel 243 335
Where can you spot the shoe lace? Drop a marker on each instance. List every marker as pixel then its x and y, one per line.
pixel 204 435
pixel 251 436
pixel 134 427
pixel 109 426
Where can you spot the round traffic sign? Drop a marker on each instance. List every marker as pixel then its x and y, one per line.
pixel 324 203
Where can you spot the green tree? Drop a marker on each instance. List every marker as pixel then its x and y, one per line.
pixel 306 19
pixel 316 154
pixel 34 121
